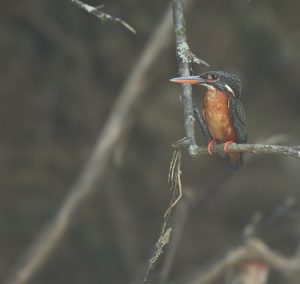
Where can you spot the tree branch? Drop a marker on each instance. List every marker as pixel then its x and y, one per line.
pixel 120 117
pixel 292 151
pixel 253 249
pixel 96 11
pixel 250 250
pixel 185 57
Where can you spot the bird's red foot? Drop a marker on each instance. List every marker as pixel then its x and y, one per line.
pixel 209 146
pixel 226 145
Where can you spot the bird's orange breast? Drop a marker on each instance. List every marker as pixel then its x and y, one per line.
pixel 217 116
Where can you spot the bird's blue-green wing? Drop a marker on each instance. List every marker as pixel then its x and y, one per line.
pixel 238 117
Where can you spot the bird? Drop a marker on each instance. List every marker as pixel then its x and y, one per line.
pixel 223 119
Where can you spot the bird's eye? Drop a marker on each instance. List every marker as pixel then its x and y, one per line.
pixel 212 77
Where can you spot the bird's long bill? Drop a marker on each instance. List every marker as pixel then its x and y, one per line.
pixel 189 80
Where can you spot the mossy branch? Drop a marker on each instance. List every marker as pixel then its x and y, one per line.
pixel 292 151
pixel 185 57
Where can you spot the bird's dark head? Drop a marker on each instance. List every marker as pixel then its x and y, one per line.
pixel 220 80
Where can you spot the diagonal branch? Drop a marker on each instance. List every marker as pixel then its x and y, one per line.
pixel 121 116
pixel 96 11
pixel 254 249
pixel 292 151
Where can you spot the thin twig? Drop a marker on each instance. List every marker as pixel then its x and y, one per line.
pixel 96 11
pixel 175 185
pixel 184 57
pixel 292 151
pixel 176 179
pixel 121 116
pixel 201 200
pixel 178 224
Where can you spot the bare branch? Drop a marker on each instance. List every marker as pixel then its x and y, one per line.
pixel 253 249
pixel 96 11
pixel 292 151
pixel 121 116
pixel 178 225
pixel 175 182
pixel 184 57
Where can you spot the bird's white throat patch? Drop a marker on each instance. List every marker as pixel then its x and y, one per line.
pixel 229 89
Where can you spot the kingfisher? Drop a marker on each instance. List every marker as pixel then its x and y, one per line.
pixel 223 119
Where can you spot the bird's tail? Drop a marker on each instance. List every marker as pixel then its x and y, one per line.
pixel 236 160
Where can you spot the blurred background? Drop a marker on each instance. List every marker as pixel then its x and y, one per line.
pixel 61 71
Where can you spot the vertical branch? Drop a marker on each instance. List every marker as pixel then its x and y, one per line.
pixel 178 224
pixel 185 57
pixel 182 50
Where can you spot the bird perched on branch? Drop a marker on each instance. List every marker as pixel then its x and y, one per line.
pixel 223 119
